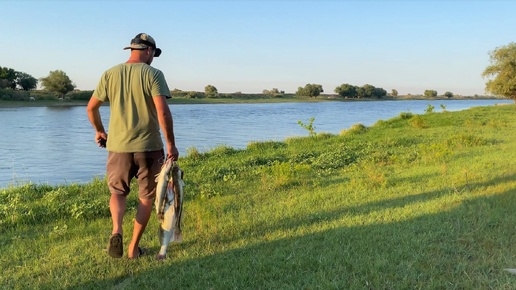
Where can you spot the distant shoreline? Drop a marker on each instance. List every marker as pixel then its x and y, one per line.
pixel 188 101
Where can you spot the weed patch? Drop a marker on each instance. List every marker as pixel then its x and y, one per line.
pixel 280 175
pixel 417 122
pixel 355 129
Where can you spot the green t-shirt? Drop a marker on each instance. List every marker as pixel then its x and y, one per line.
pixel 133 122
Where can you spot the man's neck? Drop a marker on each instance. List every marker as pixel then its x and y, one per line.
pixel 131 60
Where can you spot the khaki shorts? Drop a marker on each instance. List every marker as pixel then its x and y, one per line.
pixel 121 168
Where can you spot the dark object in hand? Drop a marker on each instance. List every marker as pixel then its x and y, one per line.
pixel 102 143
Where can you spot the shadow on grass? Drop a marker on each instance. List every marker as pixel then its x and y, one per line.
pixel 464 248
pixel 307 219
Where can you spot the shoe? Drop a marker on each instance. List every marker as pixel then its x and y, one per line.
pixel 141 252
pixel 116 247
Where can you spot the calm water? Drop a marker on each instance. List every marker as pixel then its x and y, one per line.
pixel 55 145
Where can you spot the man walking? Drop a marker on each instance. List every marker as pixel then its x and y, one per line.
pixel 137 94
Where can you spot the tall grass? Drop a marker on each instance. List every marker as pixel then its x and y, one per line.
pixel 391 206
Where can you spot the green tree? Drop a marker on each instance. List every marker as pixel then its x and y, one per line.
pixel 502 70
pixel 369 91
pixel 274 92
pixel 194 95
pixel 346 91
pixel 448 94
pixel 210 91
pixel 310 90
pixel 361 92
pixel 26 81
pixel 394 93
pixel 7 78
pixel 430 93
pixel 366 91
pixel 4 83
pixel 58 82
pixel 379 93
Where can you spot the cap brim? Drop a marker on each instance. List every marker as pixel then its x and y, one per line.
pixel 136 46
pixel 157 51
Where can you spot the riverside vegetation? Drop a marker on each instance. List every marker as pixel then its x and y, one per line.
pixel 43 98
pixel 414 202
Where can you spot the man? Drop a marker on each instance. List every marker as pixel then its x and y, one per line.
pixel 137 96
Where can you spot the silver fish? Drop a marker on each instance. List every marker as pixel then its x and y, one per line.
pixel 169 205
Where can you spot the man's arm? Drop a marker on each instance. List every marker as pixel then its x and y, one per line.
pixel 167 125
pixel 96 121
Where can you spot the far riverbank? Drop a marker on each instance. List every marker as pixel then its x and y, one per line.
pixel 242 100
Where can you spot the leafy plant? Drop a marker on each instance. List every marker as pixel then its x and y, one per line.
pixel 406 115
pixel 310 126
pixel 429 109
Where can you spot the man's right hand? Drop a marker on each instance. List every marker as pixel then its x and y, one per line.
pixel 173 153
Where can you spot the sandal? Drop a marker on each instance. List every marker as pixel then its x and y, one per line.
pixel 116 247
pixel 141 252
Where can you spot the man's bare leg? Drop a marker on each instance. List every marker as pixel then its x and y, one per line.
pixel 142 218
pixel 117 204
pixel 117 208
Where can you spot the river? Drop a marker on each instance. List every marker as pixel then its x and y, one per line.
pixel 54 145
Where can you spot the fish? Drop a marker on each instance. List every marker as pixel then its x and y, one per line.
pixel 169 205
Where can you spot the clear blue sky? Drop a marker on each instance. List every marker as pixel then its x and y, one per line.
pixel 249 46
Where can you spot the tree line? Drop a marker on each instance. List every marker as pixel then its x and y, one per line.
pixel 501 74
pixel 9 78
pixel 57 81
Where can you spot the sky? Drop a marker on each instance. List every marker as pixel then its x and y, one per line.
pixel 249 46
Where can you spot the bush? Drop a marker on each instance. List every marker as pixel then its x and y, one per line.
pixel 9 94
pixel 79 95
pixel 194 95
pixel 44 95
pixel 417 122
pixel 266 145
pixel 193 153
pixel 406 115
pixel 355 129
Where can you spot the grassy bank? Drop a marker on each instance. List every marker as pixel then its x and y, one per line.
pixel 414 202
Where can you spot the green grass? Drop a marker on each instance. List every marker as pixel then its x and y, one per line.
pixel 414 202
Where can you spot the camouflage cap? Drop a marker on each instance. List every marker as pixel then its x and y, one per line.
pixel 142 41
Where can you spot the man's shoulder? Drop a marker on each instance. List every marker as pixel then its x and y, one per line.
pixel 139 68
pixel 117 67
pixel 153 69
